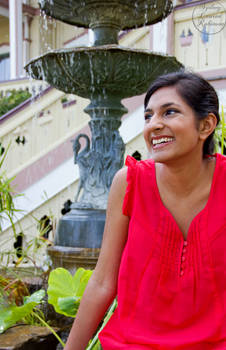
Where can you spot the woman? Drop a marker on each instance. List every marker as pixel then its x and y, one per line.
pixel 163 251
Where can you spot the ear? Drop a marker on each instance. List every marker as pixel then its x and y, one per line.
pixel 207 126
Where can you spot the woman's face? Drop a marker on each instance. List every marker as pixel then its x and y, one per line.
pixel 171 130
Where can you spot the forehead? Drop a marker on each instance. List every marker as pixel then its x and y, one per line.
pixel 164 96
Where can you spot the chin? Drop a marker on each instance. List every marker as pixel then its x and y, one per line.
pixel 162 157
pixel 164 154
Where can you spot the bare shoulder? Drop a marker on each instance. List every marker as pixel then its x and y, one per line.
pixel 121 174
pixel 119 183
pixel 117 192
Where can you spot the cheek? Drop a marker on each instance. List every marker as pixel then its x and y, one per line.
pixel 146 133
pixel 187 129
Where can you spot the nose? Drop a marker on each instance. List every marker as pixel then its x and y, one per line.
pixel 155 123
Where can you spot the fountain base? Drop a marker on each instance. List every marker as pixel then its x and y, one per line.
pixel 81 228
pixel 72 258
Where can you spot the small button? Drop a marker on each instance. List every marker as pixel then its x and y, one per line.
pixel 182 266
pixel 185 243
pixel 183 258
pixel 184 250
pixel 181 272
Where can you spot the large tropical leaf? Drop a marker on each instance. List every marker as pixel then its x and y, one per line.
pixel 65 291
pixel 9 316
pixel 69 305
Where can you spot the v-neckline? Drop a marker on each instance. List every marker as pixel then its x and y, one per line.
pixel 216 155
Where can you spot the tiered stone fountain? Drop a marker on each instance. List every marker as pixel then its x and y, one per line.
pixel 105 73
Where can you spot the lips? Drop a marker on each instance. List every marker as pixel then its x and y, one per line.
pixel 161 141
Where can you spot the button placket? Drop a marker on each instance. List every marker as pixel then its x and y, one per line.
pixel 183 258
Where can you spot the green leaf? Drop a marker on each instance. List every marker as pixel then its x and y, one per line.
pixel 4 316
pixel 97 346
pixel 35 297
pixel 84 278
pixel 11 315
pixel 65 291
pixel 69 305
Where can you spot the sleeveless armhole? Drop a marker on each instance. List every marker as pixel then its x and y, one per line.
pixel 131 163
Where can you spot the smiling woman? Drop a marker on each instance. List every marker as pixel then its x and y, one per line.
pixel 163 252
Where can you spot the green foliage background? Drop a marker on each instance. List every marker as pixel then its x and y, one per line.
pixel 12 100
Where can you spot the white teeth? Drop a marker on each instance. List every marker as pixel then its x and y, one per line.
pixel 163 139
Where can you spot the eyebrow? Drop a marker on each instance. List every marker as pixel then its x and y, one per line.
pixel 163 106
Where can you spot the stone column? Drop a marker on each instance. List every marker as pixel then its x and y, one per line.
pixel 26 40
pixel 16 38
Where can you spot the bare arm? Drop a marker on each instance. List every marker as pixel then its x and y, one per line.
pixel 102 286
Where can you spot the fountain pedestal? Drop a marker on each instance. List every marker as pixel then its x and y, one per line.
pixel 81 228
pixel 105 73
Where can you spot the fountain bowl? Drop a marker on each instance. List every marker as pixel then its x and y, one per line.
pixel 123 14
pixel 102 70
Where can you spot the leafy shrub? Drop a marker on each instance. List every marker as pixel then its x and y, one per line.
pixel 220 134
pixel 12 100
pixel 7 208
pixel 11 314
pixel 8 212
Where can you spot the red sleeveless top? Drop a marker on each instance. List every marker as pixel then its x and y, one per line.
pixel 171 292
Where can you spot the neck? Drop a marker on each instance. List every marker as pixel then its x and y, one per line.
pixel 183 176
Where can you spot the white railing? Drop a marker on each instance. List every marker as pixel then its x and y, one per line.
pixel 35 87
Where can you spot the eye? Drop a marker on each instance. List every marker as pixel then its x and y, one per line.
pixel 147 116
pixel 171 111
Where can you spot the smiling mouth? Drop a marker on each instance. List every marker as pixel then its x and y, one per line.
pixel 161 142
